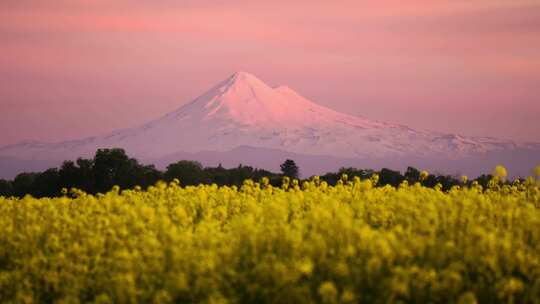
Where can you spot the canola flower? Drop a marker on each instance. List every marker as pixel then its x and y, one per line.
pixel 500 172
pixel 424 175
pixel 300 243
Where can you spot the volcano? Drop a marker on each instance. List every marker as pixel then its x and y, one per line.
pixel 242 111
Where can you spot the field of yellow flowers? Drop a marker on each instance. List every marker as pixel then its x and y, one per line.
pixel 299 243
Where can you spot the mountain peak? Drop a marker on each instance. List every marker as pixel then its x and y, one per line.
pixel 246 80
pixel 245 100
pixel 242 74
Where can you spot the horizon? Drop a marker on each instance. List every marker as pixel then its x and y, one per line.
pixel 469 68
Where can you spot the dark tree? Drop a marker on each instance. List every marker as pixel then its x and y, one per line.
pixel 22 184
pixel 448 181
pixel 5 188
pixel 113 167
pixel 236 176
pixel 260 173
pixel 87 180
pixel 188 172
pixel 412 175
pixel 333 177
pixel 290 169
pixel 46 184
pixel 431 181
pixel 216 175
pixel 390 177
pixel 71 176
pixel 483 180
pixel 147 176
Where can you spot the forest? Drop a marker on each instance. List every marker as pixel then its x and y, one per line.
pixel 114 167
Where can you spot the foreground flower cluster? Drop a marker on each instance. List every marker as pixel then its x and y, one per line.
pixel 301 243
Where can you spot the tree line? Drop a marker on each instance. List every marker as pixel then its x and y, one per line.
pixel 113 167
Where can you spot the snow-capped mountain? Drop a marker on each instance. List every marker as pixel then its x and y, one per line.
pixel 244 111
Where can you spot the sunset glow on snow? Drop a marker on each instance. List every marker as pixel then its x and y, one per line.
pixel 80 68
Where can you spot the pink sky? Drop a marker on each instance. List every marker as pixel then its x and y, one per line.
pixel 80 68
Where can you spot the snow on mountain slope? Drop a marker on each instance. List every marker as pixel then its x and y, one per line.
pixel 244 111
